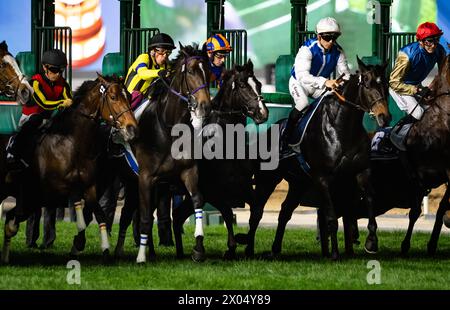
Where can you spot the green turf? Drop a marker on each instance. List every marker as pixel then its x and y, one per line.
pixel 299 267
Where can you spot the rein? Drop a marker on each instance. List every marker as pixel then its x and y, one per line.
pixel 10 92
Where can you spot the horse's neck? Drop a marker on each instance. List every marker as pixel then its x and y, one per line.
pixel 227 101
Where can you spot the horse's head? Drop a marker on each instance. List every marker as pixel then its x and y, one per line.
pixel 110 102
pixel 244 90
pixel 13 83
pixel 373 87
pixel 191 80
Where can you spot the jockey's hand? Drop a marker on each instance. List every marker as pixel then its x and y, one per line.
pixel 66 103
pixel 422 93
pixel 331 84
pixel 163 73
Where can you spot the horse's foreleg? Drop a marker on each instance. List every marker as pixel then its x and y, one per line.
pixel 180 214
pixel 81 224
pixel 363 180
pixel 190 179
pixel 444 206
pixel 227 214
pixel 91 200
pixel 330 213
pixel 11 228
pixel 265 185
pixel 414 214
pixel 126 216
pixel 287 208
pixel 146 182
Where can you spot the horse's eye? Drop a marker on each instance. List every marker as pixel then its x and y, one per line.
pixel 113 97
pixel 378 80
pixel 190 71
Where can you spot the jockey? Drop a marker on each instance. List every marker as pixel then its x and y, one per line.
pixel 51 92
pixel 217 48
pixel 145 69
pixel 316 60
pixel 414 62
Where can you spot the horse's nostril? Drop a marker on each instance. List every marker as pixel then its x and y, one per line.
pixel 132 132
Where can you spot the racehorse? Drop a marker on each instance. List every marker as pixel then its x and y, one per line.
pixel 185 101
pixel 428 153
pixel 64 161
pixel 227 183
pixel 336 147
pixel 13 83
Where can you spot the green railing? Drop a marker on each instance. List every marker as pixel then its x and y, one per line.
pixel 392 43
pixel 238 40
pixel 136 41
pixel 305 36
pixel 47 38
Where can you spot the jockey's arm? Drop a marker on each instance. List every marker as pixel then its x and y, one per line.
pixel 143 70
pixel 67 92
pixel 398 73
pixel 342 67
pixel 303 67
pixel 39 98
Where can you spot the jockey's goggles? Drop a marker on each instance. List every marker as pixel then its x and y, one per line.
pixel 162 52
pixel 329 36
pixel 54 69
pixel 220 55
pixel 430 41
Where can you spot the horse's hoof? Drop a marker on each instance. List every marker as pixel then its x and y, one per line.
pixel 405 247
pixel 371 245
pixel 229 255
pixel 249 252
pixel 356 242
pixel 198 256
pixel 106 258
pixel 270 256
pixel 180 256
pixel 431 248
pixel 349 253
pixel 335 256
pixel 79 242
pixel 119 253
pixel 74 252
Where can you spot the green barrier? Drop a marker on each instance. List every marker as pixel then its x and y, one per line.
pixel 27 63
pixel 113 64
pixel 283 67
pixel 10 113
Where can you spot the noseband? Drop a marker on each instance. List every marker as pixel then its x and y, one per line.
pixel 10 92
pixel 189 98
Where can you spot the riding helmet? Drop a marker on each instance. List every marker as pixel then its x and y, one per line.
pixel 162 40
pixel 426 30
pixel 55 58
pixel 218 43
pixel 328 24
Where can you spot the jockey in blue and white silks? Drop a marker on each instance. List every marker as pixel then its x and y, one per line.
pixel 316 60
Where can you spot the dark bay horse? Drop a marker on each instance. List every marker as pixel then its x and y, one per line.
pixel 64 162
pixel 183 104
pixel 428 156
pixel 13 83
pixel 336 147
pixel 227 183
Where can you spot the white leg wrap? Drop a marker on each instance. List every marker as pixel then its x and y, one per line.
pixel 81 225
pixel 1 210
pixel 198 222
pixel 104 237
pixel 142 247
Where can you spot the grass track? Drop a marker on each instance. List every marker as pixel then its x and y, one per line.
pixel 299 267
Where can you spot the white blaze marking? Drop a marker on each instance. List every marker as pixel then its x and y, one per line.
pixel 9 59
pixel 252 84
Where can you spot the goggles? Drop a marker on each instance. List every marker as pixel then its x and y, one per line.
pixel 220 55
pixel 431 41
pixel 54 69
pixel 327 37
pixel 162 52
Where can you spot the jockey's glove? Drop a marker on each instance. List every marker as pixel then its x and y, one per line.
pixel 163 73
pixel 422 93
pixel 65 104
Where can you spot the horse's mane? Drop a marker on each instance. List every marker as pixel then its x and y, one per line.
pixel 191 50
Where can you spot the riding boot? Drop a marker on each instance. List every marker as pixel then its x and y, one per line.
pixel 294 117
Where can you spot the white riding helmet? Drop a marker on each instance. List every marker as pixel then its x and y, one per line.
pixel 328 24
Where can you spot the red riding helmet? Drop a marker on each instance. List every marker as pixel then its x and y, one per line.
pixel 426 30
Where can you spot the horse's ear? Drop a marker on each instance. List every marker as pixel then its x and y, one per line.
pixel 181 45
pixel 100 78
pixel 361 64
pixel 250 65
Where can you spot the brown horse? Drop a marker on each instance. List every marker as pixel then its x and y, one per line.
pixel 12 82
pixel 184 103
pixel 64 162
pixel 428 151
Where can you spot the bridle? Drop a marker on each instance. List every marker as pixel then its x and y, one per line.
pixel 105 103
pixel 10 91
pixel 344 100
pixel 243 110
pixel 189 97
